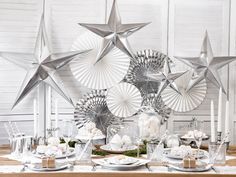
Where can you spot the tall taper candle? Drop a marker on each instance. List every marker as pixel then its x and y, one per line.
pixel 219 125
pixel 227 120
pixel 213 138
pixel 56 117
pixel 35 119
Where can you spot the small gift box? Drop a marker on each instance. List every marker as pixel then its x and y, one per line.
pixel 189 162
pixel 48 162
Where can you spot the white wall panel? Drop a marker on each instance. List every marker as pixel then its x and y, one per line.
pixel 153 36
pixel 64 17
pixel 19 20
pixel 187 25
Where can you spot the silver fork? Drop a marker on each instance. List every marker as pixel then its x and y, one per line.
pixel 148 167
pixel 94 167
pixel 25 164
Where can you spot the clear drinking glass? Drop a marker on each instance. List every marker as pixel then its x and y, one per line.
pixel 198 135
pixel 87 153
pixel 66 132
pixel 155 152
pixel 216 155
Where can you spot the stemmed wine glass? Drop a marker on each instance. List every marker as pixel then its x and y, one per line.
pixel 198 135
pixel 66 132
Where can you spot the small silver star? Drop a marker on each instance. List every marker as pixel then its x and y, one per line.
pixel 43 66
pixel 114 33
pixel 166 78
pixel 206 65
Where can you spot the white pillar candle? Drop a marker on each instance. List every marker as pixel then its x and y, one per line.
pixel 35 118
pixel 56 117
pixel 49 121
pixel 219 124
pixel 227 120
pixel 212 122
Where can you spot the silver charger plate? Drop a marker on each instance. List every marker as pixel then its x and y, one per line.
pixel 201 154
pixel 38 167
pixel 108 148
pixel 104 164
pixel 202 168
pixel 64 155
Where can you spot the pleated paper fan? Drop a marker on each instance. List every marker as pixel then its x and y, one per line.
pixel 187 100
pixel 124 100
pixel 107 72
pixel 93 108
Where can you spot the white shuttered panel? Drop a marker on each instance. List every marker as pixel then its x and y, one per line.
pixel 187 25
pixel 19 21
pixel 64 17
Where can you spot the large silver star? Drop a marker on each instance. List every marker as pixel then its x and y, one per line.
pixel 114 33
pixel 206 65
pixel 41 66
pixel 166 78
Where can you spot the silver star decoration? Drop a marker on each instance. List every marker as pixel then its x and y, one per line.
pixel 206 65
pixel 114 33
pixel 41 66
pixel 166 78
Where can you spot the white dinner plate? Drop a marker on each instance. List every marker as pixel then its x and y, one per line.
pixel 69 154
pixel 105 164
pixel 38 167
pixel 202 168
pixel 167 153
pixel 108 148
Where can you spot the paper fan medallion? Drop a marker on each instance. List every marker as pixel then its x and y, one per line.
pixel 155 102
pixel 124 99
pixel 104 74
pixel 93 107
pixel 187 100
pixel 146 61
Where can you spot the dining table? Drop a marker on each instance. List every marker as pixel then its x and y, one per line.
pixel 11 167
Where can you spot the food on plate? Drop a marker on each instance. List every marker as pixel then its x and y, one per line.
pixel 54 148
pixel 181 151
pixel 88 131
pixel 190 134
pixel 117 142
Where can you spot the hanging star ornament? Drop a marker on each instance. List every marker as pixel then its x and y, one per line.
pixel 206 66
pixel 41 66
pixel 114 33
pixel 165 78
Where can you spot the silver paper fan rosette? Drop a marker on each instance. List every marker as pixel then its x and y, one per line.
pixel 93 107
pixel 187 100
pixel 145 61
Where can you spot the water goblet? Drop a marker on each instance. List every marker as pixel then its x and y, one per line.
pixel 66 132
pixel 198 135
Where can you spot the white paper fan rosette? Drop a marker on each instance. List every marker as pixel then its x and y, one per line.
pixel 189 100
pixel 124 99
pixel 104 74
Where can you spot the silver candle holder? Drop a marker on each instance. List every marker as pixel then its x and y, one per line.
pixel 219 134
pixel 51 131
